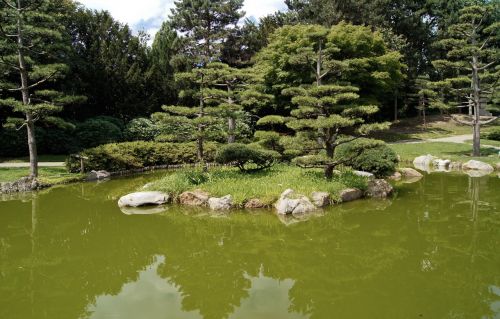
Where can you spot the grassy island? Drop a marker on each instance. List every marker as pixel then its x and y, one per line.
pixel 266 185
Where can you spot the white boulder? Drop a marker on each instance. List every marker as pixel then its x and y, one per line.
pixel 477 166
pixel 143 198
pixel 291 203
pixel 424 161
pixel 364 174
pixel 321 199
pixel 222 203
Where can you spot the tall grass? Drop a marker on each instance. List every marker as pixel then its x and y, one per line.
pixel 265 185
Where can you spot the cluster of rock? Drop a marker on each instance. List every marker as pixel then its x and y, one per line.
pixel 431 163
pixel 25 184
pixel 289 203
pixel 98 175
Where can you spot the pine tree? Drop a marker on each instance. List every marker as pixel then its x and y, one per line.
pixel 32 49
pixel 330 111
pixel 473 53
pixel 206 25
pixel 200 85
pixel 163 62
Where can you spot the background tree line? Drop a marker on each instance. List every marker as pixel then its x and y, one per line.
pixel 104 82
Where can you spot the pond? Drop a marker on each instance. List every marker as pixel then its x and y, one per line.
pixel 432 251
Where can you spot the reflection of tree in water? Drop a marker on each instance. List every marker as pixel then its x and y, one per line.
pixel 366 252
pixel 460 247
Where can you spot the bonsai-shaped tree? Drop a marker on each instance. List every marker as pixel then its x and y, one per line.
pixel 331 117
pixel 32 47
pixel 310 63
pixel 472 60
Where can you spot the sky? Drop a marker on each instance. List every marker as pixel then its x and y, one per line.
pixel 149 14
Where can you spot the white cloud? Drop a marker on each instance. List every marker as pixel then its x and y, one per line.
pixel 149 14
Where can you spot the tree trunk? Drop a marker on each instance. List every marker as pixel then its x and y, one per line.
pixel 476 138
pixel 231 138
pixel 26 97
pixel 395 106
pixel 200 126
pixel 329 171
pixel 319 64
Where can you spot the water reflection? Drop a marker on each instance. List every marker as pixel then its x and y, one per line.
pixel 431 252
pixel 152 296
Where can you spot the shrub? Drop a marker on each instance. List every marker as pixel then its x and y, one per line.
pixel 133 155
pixel 50 140
pixel 246 158
pixel 97 131
pixel 116 121
pixel 494 134
pixel 141 129
pixel 377 158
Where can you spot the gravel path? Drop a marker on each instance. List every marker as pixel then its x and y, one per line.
pixel 26 164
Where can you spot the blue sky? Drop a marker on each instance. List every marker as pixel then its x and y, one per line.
pixel 149 14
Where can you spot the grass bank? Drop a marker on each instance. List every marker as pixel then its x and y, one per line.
pixel 437 127
pixel 265 185
pixel 41 158
pixel 47 175
pixel 444 150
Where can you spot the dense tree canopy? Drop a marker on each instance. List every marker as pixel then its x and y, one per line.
pixel 397 57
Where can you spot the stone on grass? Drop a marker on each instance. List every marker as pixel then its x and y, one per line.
pixel 143 198
pixel 477 166
pixel 364 174
pixel 98 175
pixel 424 160
pixel 410 172
pixel 194 198
pixel 291 203
pixel 254 203
pixel 222 203
pixel 379 188
pixel 350 194
pixel 321 199
pixel 442 164
pixel 24 184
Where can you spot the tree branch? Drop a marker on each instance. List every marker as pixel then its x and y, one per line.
pixel 9 5
pixel 461 121
pixel 486 66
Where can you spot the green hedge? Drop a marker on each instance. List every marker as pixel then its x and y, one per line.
pixel 134 155
pixel 380 160
pixel 494 134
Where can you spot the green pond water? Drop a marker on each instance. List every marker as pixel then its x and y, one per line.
pixel 432 251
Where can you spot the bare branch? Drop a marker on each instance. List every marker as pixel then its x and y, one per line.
pixel 486 66
pixel 488 121
pixel 9 5
pixel 456 119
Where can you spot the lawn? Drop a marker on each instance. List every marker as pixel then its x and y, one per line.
pixel 487 142
pixel 265 185
pixel 437 126
pixel 47 175
pixel 452 151
pixel 41 158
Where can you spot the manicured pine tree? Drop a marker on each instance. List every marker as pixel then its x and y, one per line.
pixel 329 112
pixel 472 45
pixel 200 85
pixel 32 51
